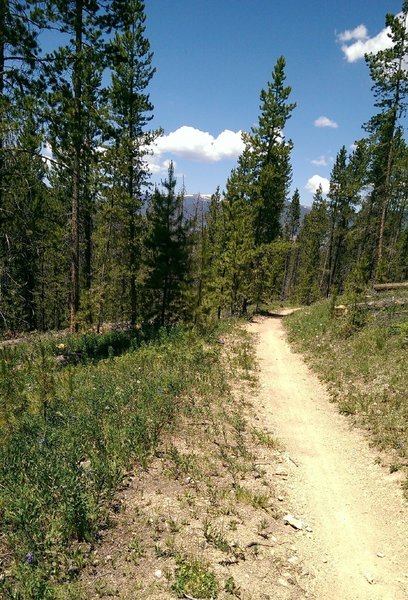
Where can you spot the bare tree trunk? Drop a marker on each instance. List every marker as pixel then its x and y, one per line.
pixel 390 157
pixel 74 300
pixel 3 5
pixel 103 270
pixel 133 291
pixel 76 175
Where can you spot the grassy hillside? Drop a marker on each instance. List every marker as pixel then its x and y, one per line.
pixel 70 432
pixel 362 354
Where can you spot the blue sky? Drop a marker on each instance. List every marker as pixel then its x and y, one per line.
pixel 214 56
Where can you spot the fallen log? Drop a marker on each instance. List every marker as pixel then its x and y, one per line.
pixel 383 287
pixel 372 305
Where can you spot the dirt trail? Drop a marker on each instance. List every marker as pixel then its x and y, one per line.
pixel 356 515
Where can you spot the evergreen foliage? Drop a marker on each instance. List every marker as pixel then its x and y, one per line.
pixel 390 87
pixel 83 238
pixel 270 154
pixel 312 239
pixel 85 242
pixel 130 62
pixel 167 261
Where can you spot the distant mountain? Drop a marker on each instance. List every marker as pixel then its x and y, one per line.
pixel 304 210
pixel 197 204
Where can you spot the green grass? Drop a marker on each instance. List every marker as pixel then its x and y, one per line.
pixel 193 577
pixel 69 436
pixel 363 358
pixel 246 496
pixel 215 537
pixel 231 588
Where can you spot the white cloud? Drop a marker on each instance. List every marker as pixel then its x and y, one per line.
pixel 358 33
pixel 191 143
pixel 325 122
pixel 158 166
pixel 315 181
pixel 373 45
pixel 364 44
pixel 320 162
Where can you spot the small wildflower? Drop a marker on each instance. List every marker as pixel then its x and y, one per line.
pixel 29 558
pixel 85 465
pixel 61 346
pixel 41 441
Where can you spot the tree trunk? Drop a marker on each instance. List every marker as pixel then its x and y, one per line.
pixel 88 226
pixel 384 209
pixel 74 300
pixel 390 156
pixel 164 302
pixel 133 292
pixel 76 171
pixel 3 5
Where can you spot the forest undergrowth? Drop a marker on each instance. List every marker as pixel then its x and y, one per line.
pixel 70 432
pixel 362 355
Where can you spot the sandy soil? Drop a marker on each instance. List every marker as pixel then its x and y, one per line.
pixel 355 520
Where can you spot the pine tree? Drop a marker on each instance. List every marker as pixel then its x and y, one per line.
pixel 237 255
pixel 130 61
pixel 342 200
pixel 269 154
pixel 292 217
pixel 312 241
pixel 168 254
pixel 21 168
pixel 290 231
pixel 264 173
pixel 74 75
pixel 213 249
pixel 389 74
pixel 396 250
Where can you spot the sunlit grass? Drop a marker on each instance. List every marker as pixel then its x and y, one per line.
pixel 70 434
pixel 365 367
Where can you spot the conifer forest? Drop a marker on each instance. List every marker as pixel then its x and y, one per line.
pixel 86 240
pixel 117 322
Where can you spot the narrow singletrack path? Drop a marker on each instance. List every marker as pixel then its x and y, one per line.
pixel 355 538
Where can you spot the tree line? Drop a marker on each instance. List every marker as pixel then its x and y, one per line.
pixel 85 239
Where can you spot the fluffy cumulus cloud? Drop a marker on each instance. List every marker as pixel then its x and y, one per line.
pixel 363 44
pixel 325 122
pixel 315 181
pixel 358 33
pixel 194 144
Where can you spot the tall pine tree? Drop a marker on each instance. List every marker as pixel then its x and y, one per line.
pixel 390 85
pixel 269 153
pixel 130 62
pixel 168 254
pixel 74 78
